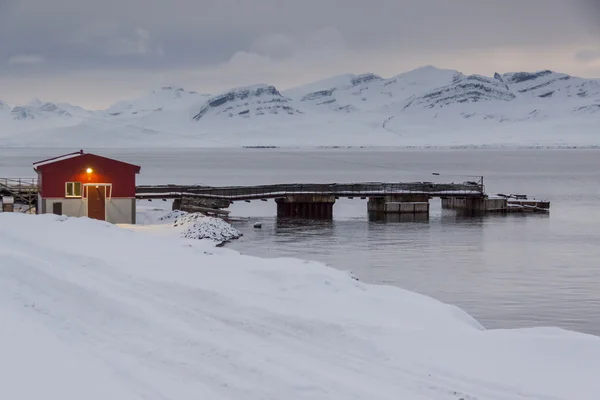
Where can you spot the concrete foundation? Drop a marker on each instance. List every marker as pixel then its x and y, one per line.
pixel 475 204
pixel 399 204
pixel 305 206
pixel 532 205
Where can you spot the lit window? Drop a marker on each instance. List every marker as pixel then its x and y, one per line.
pixel 73 189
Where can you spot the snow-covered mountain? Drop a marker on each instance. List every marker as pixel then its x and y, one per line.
pixel 426 106
pixel 38 109
pixel 464 89
pixel 165 99
pixel 247 102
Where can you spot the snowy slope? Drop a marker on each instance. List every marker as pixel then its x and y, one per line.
pixel 165 99
pixel 368 92
pixel 98 312
pixel 423 107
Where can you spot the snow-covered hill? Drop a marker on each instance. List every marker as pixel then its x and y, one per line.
pixel 423 107
pixel 95 311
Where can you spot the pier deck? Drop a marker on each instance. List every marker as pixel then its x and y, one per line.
pixel 366 190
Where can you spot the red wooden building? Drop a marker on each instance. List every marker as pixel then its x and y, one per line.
pixel 87 185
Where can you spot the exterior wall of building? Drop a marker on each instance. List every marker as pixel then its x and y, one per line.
pixel 118 211
pixel 39 208
pixel 70 207
pixel 104 170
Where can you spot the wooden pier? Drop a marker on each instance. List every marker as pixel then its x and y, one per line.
pixel 316 201
pixel 22 191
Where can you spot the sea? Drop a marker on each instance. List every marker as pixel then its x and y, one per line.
pixel 508 271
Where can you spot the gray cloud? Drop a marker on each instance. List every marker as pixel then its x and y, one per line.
pixel 204 32
pixel 58 37
pixel 588 55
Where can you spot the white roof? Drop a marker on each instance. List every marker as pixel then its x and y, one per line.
pixel 56 159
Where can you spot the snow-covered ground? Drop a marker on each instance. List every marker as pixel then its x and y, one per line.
pixel 94 311
pixel 421 108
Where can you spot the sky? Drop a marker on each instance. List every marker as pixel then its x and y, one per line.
pixel 94 53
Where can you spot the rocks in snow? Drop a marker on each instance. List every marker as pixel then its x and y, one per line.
pixel 198 226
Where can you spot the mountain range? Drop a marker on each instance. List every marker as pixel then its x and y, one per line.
pixel 424 107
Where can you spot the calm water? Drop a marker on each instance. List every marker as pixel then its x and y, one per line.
pixel 507 271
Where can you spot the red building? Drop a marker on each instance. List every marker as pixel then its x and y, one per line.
pixel 87 185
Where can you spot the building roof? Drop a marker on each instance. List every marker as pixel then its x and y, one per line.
pixel 41 165
pixel 57 159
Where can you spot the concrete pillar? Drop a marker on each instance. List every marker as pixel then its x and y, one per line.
pixel 399 204
pixel 305 206
pixel 475 204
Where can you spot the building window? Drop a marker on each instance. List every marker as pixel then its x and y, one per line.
pixel 73 189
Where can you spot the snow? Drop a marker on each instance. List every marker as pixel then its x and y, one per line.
pixel 185 225
pixel 426 107
pixel 96 311
pixel 57 159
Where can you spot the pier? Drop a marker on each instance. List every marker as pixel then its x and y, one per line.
pixel 21 191
pixel 312 201
pixel 316 201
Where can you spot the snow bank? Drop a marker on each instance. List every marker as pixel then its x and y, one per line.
pixel 90 310
pixel 183 224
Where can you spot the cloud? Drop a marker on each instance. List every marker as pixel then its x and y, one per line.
pixel 274 46
pixel 588 56
pixel 24 59
pixel 286 41
pixel 137 44
pixel 108 38
pixel 207 32
pixel 280 46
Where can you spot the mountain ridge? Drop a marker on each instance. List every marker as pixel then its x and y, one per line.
pixel 364 108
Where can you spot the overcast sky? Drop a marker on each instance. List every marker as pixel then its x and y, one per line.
pixel 92 52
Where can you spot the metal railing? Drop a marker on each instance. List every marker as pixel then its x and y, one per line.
pixel 369 189
pixel 26 184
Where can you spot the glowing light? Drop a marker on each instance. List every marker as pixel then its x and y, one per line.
pixel 89 170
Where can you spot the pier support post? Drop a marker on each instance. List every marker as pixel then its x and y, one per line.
pixel 475 204
pixel 399 204
pixel 305 206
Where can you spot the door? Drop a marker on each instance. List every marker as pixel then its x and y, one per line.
pixel 57 208
pixel 97 202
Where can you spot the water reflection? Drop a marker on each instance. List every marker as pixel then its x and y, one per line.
pixel 399 218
